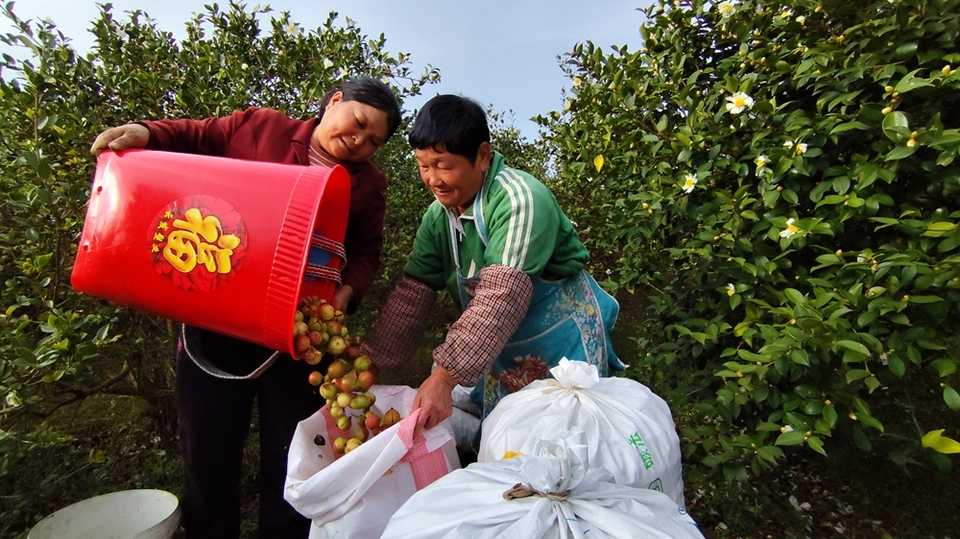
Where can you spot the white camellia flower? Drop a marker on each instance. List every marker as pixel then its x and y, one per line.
pixel 790 230
pixel 731 290
pixel 739 102
pixel 689 182
pixel 761 161
pixel 12 400
pixel 726 9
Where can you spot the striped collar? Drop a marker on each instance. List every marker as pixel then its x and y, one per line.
pixel 321 158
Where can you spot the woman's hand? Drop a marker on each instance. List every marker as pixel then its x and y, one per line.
pixel 434 399
pixel 342 297
pixel 121 138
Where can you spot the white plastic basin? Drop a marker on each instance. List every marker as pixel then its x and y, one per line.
pixel 127 514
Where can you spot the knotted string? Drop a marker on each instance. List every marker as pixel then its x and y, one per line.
pixel 520 491
pixel 556 386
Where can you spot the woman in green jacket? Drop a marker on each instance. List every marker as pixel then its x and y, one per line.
pixel 497 240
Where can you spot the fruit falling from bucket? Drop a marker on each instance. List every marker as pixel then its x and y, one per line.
pixel 320 333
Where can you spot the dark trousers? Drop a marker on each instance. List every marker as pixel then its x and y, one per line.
pixel 214 421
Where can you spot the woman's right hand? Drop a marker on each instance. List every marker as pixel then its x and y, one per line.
pixel 434 398
pixel 120 138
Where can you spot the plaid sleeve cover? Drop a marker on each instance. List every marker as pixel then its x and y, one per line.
pixel 401 324
pixel 494 314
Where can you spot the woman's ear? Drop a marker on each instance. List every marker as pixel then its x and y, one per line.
pixel 483 156
pixel 335 98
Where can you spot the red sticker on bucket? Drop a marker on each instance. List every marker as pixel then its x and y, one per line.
pixel 198 242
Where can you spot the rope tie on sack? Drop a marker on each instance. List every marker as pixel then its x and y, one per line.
pixel 557 386
pixel 519 491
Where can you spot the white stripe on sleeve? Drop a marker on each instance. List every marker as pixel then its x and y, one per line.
pixel 520 227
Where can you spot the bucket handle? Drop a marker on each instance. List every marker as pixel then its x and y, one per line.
pixel 210 369
pixel 334 249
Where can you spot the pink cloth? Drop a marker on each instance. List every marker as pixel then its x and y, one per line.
pixel 427 466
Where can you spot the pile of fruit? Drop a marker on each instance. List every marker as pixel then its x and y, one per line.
pixel 319 333
pixel 317 329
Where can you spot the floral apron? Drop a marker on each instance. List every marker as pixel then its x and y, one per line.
pixel 569 318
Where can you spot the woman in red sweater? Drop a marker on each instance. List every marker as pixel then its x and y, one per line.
pixel 214 413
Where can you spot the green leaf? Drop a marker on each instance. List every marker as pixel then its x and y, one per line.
pixel 816 444
pixel 900 152
pixel 790 438
pixel 854 346
pixel 770 453
pixel 830 415
pixel 793 295
pixel 103 332
pixel 800 357
pixel 30 158
pixel 952 398
pixel 798 421
pixel 949 244
pixel 868 419
pixel 896 126
pixel 910 81
pixel 662 124
pixel 945 367
pixel 766 426
pixel 929 345
pixel 861 439
pixel 848 126
pixel 897 366
pixel 856 374
pixel 925 299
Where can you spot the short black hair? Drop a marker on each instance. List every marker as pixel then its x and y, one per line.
pixel 369 91
pixel 452 123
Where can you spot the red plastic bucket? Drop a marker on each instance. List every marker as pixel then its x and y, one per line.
pixel 216 243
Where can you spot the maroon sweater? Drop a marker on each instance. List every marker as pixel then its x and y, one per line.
pixel 268 135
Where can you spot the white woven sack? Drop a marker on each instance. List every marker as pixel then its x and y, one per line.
pixel 355 495
pixel 629 430
pixel 552 493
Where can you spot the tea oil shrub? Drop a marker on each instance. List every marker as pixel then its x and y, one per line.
pixel 780 181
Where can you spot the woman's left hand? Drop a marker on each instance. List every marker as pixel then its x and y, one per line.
pixel 342 297
pixel 434 398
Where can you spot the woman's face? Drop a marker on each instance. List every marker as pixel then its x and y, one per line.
pixel 454 179
pixel 350 130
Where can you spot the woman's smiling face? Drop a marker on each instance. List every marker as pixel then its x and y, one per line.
pixel 351 130
pixel 454 179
